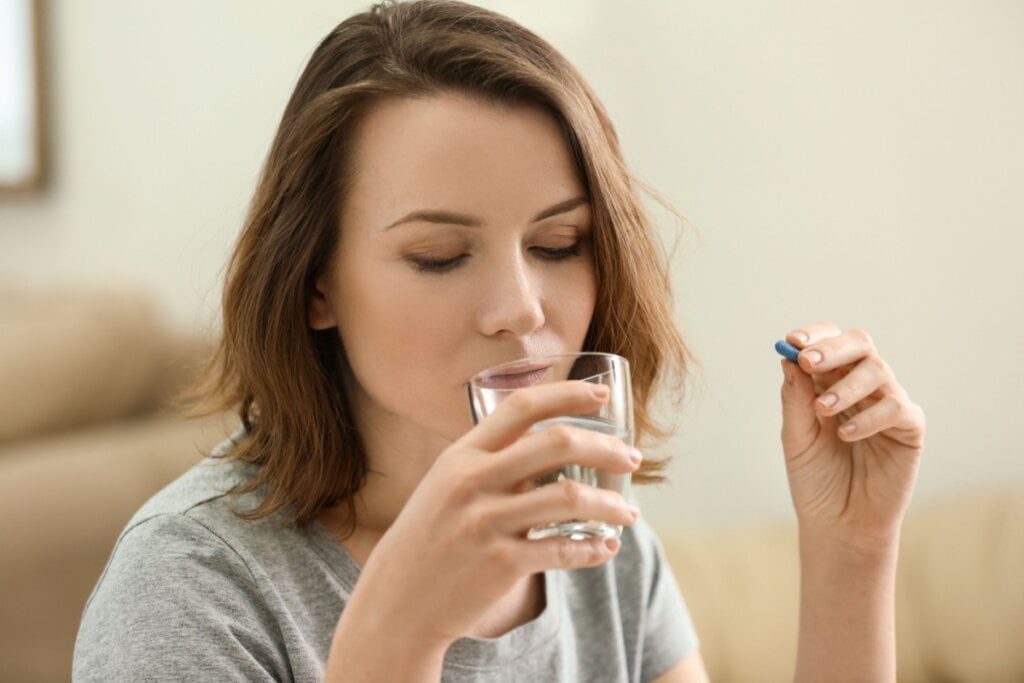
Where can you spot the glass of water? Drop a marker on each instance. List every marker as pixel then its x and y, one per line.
pixel 489 388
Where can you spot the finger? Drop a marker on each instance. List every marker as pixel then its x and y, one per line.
pixel 560 552
pixel 525 407
pixel 895 415
pixel 865 379
pixel 799 421
pixel 561 501
pixel 834 352
pixel 557 445
pixel 811 334
pixel 824 380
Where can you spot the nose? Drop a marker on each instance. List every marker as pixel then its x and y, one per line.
pixel 511 300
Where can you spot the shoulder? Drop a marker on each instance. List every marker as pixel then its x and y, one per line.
pixel 195 522
pixel 185 541
pixel 206 483
pixel 180 577
pixel 188 529
pixel 201 502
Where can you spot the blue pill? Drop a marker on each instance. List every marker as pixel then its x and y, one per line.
pixel 786 349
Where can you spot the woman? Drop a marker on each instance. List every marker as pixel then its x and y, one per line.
pixel 445 193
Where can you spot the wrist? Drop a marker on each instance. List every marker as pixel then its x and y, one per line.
pixel 832 540
pixel 828 564
pixel 365 643
pixel 362 653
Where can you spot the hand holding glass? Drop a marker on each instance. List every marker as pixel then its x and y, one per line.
pixel 490 387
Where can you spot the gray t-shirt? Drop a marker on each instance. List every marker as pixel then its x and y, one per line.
pixel 193 592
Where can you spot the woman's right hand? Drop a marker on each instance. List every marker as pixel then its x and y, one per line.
pixel 460 543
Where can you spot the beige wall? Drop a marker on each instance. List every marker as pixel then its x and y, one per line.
pixel 859 162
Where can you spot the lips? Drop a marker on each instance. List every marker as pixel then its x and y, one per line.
pixel 515 376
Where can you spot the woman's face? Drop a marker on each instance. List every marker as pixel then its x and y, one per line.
pixel 465 242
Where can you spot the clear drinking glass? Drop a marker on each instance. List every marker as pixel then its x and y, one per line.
pixel 489 388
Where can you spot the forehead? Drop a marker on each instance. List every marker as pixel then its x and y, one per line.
pixel 453 151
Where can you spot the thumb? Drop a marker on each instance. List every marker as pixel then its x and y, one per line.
pixel 799 422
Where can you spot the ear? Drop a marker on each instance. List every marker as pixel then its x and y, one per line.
pixel 320 314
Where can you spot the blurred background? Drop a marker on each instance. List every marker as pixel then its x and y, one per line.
pixel 861 163
pixel 855 162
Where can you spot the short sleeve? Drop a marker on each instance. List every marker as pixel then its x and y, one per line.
pixel 174 603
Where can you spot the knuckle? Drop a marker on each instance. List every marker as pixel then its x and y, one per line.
pixel 562 436
pixel 501 558
pixel 461 490
pixel 879 363
pixel 910 414
pixel 465 485
pixel 573 493
pixel 481 525
pixel 521 402
pixel 860 334
pixel 899 409
pixel 921 421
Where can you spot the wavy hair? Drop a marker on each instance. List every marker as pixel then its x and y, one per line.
pixel 284 378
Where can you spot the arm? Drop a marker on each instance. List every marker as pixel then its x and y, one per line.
pixel 369 646
pixel 459 543
pixel 690 670
pixel 853 442
pixel 847 614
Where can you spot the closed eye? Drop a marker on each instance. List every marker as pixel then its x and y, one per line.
pixel 429 265
pixel 443 265
pixel 560 253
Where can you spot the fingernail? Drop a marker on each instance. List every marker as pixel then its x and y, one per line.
pixel 813 357
pixel 599 391
pixel 828 400
pixel 848 428
pixel 612 544
pixel 634 510
pixel 800 337
pixel 635 456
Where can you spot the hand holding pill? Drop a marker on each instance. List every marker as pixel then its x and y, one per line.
pixel 851 435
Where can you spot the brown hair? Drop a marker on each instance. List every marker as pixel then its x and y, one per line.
pixel 285 378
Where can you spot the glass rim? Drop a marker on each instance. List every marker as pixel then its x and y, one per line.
pixel 532 362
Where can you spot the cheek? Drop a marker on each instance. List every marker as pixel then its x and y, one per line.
pixel 397 337
pixel 425 357
pixel 574 303
pixel 381 319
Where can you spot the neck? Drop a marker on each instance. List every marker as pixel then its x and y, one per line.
pixel 398 453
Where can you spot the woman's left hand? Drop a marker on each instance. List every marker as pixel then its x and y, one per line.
pixel 852 437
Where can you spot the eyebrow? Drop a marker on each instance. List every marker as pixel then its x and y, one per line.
pixel 452 218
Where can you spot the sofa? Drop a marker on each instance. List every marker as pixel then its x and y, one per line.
pixel 959 592
pixel 86 436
